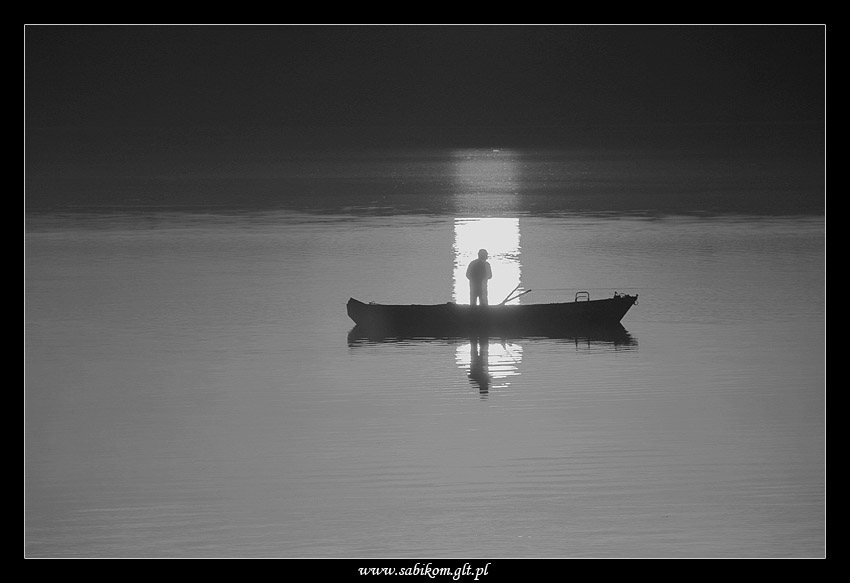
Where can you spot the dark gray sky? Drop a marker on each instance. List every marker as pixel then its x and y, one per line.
pixel 420 76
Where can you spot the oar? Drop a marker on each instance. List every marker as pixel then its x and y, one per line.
pixel 519 295
pixel 508 297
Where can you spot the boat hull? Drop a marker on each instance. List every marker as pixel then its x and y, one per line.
pixel 451 319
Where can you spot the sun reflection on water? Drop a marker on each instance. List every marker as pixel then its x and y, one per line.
pixel 489 364
pixel 486 181
pixel 500 237
pixel 487 184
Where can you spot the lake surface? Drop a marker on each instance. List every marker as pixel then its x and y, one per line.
pixel 192 390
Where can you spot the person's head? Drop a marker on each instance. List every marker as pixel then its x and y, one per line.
pixel 482 254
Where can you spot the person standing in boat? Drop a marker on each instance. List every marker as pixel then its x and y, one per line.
pixel 478 273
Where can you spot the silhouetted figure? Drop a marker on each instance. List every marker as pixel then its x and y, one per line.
pixel 478 273
pixel 479 364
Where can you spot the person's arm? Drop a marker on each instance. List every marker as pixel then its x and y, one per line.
pixel 489 271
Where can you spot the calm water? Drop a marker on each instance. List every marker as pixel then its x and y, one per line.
pixel 192 390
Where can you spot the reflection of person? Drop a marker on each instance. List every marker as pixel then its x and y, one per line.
pixel 478 273
pixel 478 364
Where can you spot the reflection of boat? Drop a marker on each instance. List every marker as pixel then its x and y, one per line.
pixel 580 318
pixel 613 336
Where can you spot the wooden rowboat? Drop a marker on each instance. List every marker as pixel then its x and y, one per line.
pixel 452 319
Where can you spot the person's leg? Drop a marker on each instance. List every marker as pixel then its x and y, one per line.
pixel 477 295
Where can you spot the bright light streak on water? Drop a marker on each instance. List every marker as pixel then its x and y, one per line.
pixel 500 237
pixel 481 171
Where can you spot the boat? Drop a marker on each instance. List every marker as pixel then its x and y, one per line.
pixel 451 319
